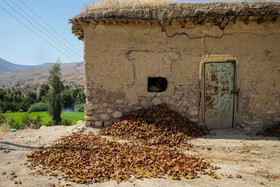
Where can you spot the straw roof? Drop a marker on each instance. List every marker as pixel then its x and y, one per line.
pixel 198 13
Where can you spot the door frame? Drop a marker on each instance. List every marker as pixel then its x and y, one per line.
pixel 217 59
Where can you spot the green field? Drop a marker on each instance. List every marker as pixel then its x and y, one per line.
pixel 73 116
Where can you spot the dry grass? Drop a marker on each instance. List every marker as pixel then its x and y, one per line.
pixel 4 128
pixel 127 4
pixel 104 4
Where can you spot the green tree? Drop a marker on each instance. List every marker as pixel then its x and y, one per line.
pixel 67 98
pixel 2 94
pixel 54 96
pixel 43 92
pixel 31 94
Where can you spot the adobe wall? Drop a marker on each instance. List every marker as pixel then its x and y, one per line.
pixel 120 58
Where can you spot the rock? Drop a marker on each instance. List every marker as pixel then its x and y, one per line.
pixel 43 127
pixel 138 108
pixel 193 112
pixel 100 111
pixel 109 110
pixel 87 92
pixel 105 104
pixel 107 123
pixel 81 123
pixel 6 151
pixel 245 117
pixel 270 112
pixel 89 107
pixel 154 89
pixel 98 124
pixel 88 123
pixel 238 176
pixel 94 100
pixel 156 101
pixel 117 114
pixel 80 129
pixel 145 103
pixel 179 103
pixel 256 152
pixel 89 113
pixel 91 118
pixel 119 101
pixel 4 173
pixel 94 106
pixel 105 117
pixel 12 173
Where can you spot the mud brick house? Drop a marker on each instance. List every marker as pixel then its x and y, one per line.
pixel 217 63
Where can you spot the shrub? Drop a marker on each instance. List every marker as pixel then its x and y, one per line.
pixel 38 107
pixel 66 122
pixel 4 127
pixel 20 110
pixel 37 121
pixel 5 121
pixel 79 107
pixel 12 124
pixel 48 124
pixel 2 118
pixel 26 121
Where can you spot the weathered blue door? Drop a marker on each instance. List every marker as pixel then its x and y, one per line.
pixel 219 80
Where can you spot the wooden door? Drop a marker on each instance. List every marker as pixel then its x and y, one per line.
pixel 219 80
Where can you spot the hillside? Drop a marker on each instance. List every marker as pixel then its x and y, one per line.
pixel 33 76
pixel 7 68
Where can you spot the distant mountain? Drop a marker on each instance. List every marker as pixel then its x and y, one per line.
pixel 41 66
pixel 7 68
pixel 31 77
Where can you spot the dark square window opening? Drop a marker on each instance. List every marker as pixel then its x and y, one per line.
pixel 157 84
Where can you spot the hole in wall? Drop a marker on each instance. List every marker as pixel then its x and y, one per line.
pixel 157 84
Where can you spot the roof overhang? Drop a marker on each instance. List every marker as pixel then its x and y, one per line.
pixel 198 13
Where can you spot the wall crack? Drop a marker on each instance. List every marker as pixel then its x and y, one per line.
pixel 163 29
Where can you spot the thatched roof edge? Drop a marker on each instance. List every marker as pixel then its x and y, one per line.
pixel 195 12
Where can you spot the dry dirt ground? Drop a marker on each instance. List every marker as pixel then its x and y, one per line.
pixel 245 159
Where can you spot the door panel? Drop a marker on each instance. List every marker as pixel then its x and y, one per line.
pixel 218 94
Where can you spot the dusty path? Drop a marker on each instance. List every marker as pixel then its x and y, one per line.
pixel 255 159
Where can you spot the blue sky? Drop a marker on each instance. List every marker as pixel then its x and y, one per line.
pixel 20 46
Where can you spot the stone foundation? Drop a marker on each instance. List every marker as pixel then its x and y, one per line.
pixel 107 107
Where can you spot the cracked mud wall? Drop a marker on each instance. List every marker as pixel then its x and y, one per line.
pixel 120 58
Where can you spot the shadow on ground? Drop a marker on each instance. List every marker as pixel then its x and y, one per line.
pixel 16 145
pixel 237 134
